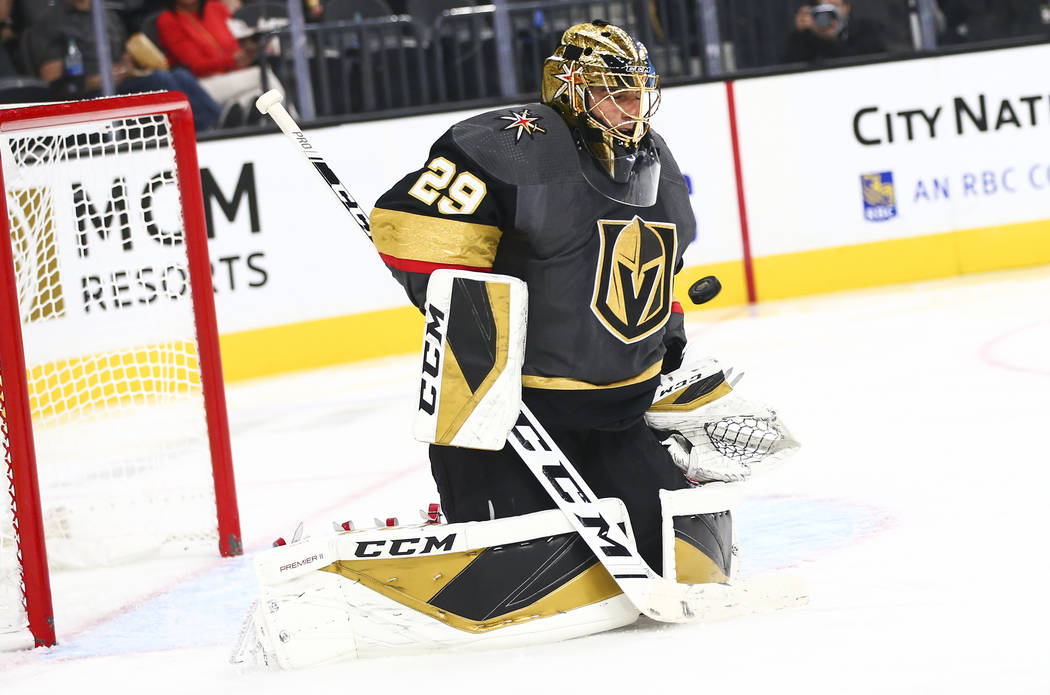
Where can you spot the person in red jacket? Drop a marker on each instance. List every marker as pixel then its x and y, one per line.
pixel 195 34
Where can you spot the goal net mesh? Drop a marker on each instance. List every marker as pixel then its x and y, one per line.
pixel 108 330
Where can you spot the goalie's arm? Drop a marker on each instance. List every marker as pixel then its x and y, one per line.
pixel 674 339
pixel 448 214
pixel 445 215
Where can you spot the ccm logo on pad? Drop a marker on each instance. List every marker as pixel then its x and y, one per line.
pixel 432 339
pixel 404 546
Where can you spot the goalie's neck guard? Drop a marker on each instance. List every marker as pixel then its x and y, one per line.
pixel 638 172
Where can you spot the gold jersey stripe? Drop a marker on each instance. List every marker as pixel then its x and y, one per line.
pixel 438 240
pixel 557 383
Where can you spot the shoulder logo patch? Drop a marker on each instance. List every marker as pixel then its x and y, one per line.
pixel 634 278
pixel 524 123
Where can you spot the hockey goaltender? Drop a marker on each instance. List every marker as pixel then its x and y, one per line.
pixel 587 476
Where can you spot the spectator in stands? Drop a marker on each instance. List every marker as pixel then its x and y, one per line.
pixel 312 9
pixel 7 39
pixel 986 20
pixel 824 30
pixel 894 20
pixel 64 53
pixel 15 16
pixel 196 34
pixel 33 10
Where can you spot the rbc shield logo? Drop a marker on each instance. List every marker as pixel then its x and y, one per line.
pixel 880 199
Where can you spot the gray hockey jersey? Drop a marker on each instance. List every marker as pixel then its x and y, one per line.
pixel 504 192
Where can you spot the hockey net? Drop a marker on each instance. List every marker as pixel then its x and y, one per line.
pixel 126 430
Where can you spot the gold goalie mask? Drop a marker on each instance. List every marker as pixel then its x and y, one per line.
pixel 601 82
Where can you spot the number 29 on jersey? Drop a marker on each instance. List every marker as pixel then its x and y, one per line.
pixel 455 194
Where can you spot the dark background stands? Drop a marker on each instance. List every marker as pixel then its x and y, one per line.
pixel 69 24
pixel 854 36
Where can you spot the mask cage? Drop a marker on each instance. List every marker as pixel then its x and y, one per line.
pixel 634 98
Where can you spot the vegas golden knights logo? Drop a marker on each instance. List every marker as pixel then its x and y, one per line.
pixel 632 286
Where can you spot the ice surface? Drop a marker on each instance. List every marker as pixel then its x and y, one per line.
pixel 916 512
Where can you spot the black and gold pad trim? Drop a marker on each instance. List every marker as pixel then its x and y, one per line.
pixel 702 392
pixel 703 547
pixel 482 590
pixel 478 348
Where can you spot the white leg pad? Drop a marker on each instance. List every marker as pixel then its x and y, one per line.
pixel 324 618
pixel 308 616
pixel 710 498
pixel 740 596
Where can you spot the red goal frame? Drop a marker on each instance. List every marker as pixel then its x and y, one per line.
pixel 22 464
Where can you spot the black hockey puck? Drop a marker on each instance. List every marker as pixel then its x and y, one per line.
pixel 704 290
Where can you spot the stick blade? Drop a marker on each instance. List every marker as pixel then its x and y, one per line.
pixel 687 603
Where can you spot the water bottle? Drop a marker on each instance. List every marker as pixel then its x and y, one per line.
pixel 74 76
pixel 74 60
pixel 74 64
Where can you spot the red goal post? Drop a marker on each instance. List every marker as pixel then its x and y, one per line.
pixel 111 390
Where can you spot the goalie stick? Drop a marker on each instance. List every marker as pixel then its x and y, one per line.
pixel 655 596
pixel 270 105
